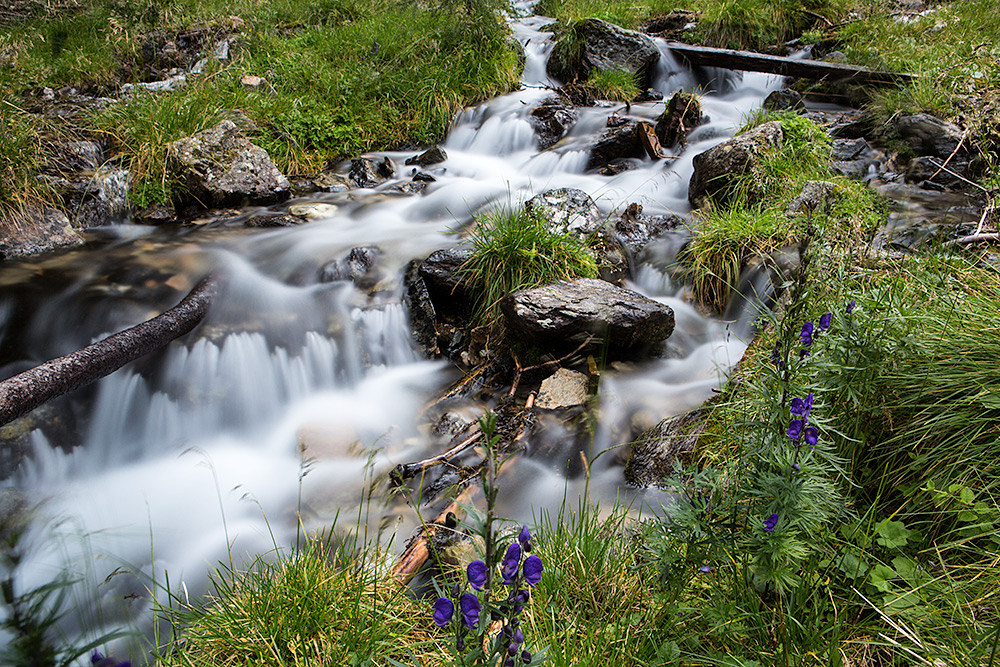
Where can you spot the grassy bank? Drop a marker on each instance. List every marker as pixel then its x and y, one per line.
pixel 342 77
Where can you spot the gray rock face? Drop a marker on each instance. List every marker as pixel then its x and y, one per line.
pixel 781 100
pixel 358 263
pixel 616 143
pixel 101 199
pixel 431 156
pixel 655 451
pixel 552 119
pixel 928 135
pixel 600 45
pixel 367 173
pixel 220 167
pixel 33 230
pixel 569 211
pixel 567 312
pixel 715 169
pixel 634 229
pixel 927 169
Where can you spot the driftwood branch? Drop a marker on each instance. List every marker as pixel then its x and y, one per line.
pixel 419 549
pixel 26 391
pixel 810 69
pixel 405 471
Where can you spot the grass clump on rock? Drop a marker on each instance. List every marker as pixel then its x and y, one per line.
pixel 514 248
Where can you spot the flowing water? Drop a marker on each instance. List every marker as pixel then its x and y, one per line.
pixel 293 393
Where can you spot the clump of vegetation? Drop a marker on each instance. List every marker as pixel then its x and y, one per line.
pixel 615 85
pixel 513 248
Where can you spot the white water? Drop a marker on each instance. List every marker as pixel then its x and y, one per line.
pixel 198 453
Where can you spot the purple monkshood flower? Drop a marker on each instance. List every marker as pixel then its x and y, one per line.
pixel 524 537
pixel 802 406
pixel 705 568
pixel 811 436
pixel 795 429
pixel 443 609
pixel 824 321
pixel 99 660
pixel 511 563
pixel 795 468
pixel 374 48
pixel 771 522
pixel 806 336
pixel 518 637
pixel 526 656
pixel 850 306
pixel 532 570
pixel 469 606
pixel 477 574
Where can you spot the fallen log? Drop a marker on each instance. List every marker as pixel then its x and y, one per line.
pixel 418 550
pixel 26 391
pixel 810 69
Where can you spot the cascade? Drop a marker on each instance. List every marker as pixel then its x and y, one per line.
pixel 294 388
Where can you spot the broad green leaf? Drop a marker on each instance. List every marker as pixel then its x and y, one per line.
pixel 881 576
pixel 893 534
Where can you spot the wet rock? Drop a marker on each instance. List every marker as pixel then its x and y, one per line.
pixel 928 135
pixel 155 215
pixel 849 149
pixel 683 114
pixel 420 311
pixel 449 291
pixel 269 220
pixel 563 389
pixel 413 187
pixel 857 169
pixel 616 142
pixel 329 182
pixel 785 99
pixel 313 210
pixel 565 313
pixel 596 44
pixel 715 169
pixel 634 229
pixel 368 173
pixel 569 211
pixel 358 263
pixel 171 83
pixel 102 199
pixel 648 95
pixel 552 119
pixel 424 177
pixel 655 451
pixel 35 229
pixel 576 94
pixel 619 165
pixel 927 171
pixel 254 84
pixel 75 156
pixel 815 195
pixel 434 155
pixel 220 167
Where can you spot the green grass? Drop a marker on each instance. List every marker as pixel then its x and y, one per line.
pixel 344 76
pixel 311 608
pixel 513 248
pixel 615 85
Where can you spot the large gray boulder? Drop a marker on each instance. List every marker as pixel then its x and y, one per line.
pixel 567 312
pixel 716 168
pixel 616 143
pixel 220 167
pixel 551 120
pixel 592 44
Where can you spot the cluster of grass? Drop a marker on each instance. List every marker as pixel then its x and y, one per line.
pixel 514 248
pixel 343 76
pixel 615 85
pixel 754 222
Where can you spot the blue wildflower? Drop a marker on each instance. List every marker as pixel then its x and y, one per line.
pixel 705 568
pixel 795 468
pixel 470 608
pixel 806 335
pixel 511 563
pixel 476 573
pixel 850 306
pixel 374 48
pixel 824 321
pixel 771 522
pixel 795 429
pixel 99 660
pixel 802 406
pixel 443 610
pixel 532 570
pixel 811 436
pixel 524 537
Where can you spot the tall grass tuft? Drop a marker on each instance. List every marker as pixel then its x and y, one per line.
pixel 615 85
pixel 513 248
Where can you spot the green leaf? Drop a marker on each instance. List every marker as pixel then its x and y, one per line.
pixel 852 566
pixel 881 576
pixel 966 496
pixel 893 534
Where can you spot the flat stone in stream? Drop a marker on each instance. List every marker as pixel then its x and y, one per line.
pixel 565 313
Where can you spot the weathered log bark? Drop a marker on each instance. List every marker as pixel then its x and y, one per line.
pixel 810 69
pixel 419 548
pixel 26 391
